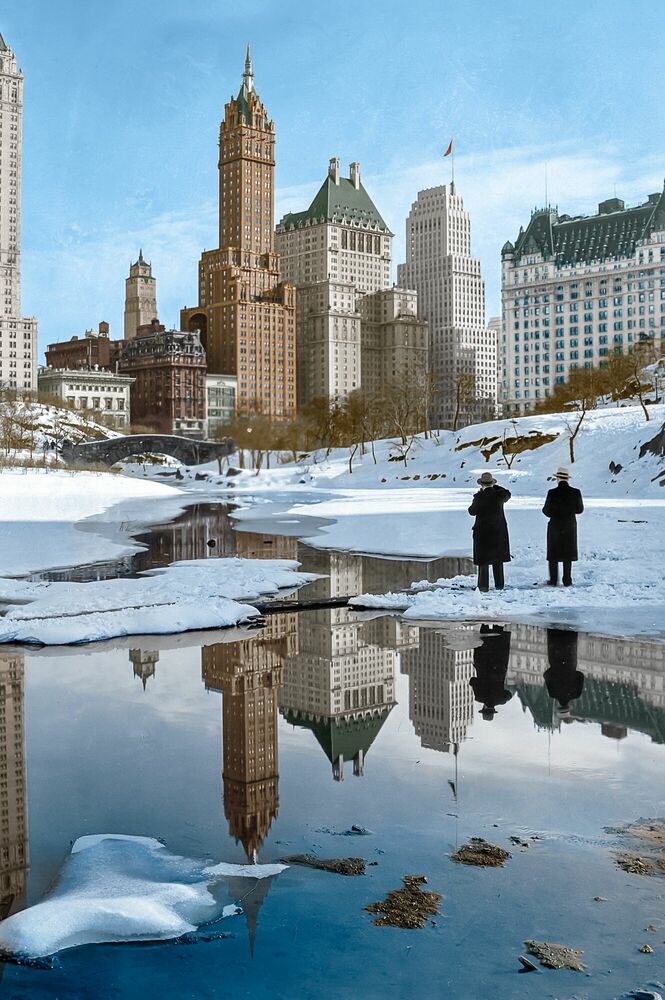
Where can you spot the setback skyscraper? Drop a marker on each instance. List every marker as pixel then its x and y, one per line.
pixel 246 315
pixel 18 336
pixel 451 297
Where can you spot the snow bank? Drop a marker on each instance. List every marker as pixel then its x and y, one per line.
pixel 47 519
pixel 198 594
pixel 116 888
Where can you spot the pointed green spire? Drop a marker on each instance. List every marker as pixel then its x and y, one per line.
pixel 5 48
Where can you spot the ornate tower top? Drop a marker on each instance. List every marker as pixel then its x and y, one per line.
pixel 248 76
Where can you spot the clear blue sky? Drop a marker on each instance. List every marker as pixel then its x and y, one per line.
pixel 123 102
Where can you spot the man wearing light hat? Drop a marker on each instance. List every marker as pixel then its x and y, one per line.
pixel 491 546
pixel 562 505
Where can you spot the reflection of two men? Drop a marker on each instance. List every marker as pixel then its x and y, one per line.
pixel 563 680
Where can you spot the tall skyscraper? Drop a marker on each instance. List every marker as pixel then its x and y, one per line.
pixel 18 336
pixel 451 297
pixel 13 799
pixel 576 289
pixel 140 296
pixel 353 329
pixel 440 697
pixel 246 315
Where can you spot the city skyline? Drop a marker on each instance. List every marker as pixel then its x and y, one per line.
pixel 86 215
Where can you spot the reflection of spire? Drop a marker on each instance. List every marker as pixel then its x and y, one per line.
pixel 144 661
pixel 13 804
pixel 249 894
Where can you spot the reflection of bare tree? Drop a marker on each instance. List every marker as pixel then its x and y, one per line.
pixel 13 803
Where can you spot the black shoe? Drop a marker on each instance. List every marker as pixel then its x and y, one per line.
pixel 567 583
pixel 551 583
pixel 483 590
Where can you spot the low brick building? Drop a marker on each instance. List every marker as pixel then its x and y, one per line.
pixel 169 392
pixel 88 351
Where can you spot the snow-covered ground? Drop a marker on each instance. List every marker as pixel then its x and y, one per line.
pixel 54 518
pixel 197 594
pixel 419 509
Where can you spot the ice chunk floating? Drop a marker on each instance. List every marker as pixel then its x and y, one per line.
pixel 118 888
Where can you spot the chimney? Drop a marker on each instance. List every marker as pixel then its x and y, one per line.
pixel 354 175
pixel 333 169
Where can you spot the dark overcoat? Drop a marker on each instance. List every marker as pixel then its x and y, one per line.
pixel 490 661
pixel 490 530
pixel 561 505
pixel 563 680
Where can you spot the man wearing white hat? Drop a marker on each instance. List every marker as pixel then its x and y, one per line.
pixel 562 505
pixel 491 545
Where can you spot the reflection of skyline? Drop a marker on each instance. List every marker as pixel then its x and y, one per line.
pixel 340 685
pixel 144 662
pixel 13 802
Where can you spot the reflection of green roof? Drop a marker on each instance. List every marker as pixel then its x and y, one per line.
pixel 600 701
pixel 338 203
pixel 613 232
pixel 339 736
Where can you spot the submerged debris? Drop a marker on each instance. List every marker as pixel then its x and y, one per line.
pixel 528 965
pixel 341 866
pixel 646 949
pixel 555 956
pixel 481 853
pixel 650 830
pixel 634 864
pixel 409 907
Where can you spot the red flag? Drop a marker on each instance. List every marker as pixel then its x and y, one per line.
pixel 450 147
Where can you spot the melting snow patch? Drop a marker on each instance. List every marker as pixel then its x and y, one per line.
pixel 116 888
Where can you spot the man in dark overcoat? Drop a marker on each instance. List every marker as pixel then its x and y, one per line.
pixel 562 504
pixel 491 546
pixel 490 661
pixel 563 680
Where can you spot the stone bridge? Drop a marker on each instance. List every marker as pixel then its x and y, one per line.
pixel 115 449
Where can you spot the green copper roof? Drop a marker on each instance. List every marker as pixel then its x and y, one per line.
pixel 339 736
pixel 338 203
pixel 3 47
pixel 243 106
pixel 612 233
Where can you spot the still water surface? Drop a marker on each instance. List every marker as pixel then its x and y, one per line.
pixel 235 745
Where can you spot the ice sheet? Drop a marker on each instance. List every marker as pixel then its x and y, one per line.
pixel 119 888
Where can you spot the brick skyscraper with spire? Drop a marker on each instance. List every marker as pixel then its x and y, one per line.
pixel 246 315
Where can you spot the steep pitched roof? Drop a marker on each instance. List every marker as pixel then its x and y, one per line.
pixel 3 45
pixel 613 232
pixel 338 203
pixel 341 736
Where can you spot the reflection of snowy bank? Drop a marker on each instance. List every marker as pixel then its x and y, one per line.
pixel 119 888
pixel 197 594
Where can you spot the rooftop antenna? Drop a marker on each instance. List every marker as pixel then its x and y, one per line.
pixel 546 202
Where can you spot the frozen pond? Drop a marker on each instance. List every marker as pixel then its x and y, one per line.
pixel 234 746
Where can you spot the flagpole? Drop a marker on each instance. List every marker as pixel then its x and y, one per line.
pixel 452 160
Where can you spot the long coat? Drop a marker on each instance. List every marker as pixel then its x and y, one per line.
pixel 563 680
pixel 490 530
pixel 490 661
pixel 561 505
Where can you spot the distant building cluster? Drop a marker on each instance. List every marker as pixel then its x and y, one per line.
pixel 307 310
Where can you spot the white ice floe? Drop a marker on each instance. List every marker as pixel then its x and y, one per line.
pixel 116 888
pixel 198 594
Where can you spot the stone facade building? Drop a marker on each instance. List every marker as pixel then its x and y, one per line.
pixel 103 393
pixel 89 351
pixel 220 403
pixel 246 314
pixel 337 253
pixel 140 296
pixel 394 342
pixel 577 288
pixel 18 335
pixel 169 368
pixel 451 297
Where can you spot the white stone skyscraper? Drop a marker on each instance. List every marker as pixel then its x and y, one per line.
pixel 18 336
pixel 451 297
